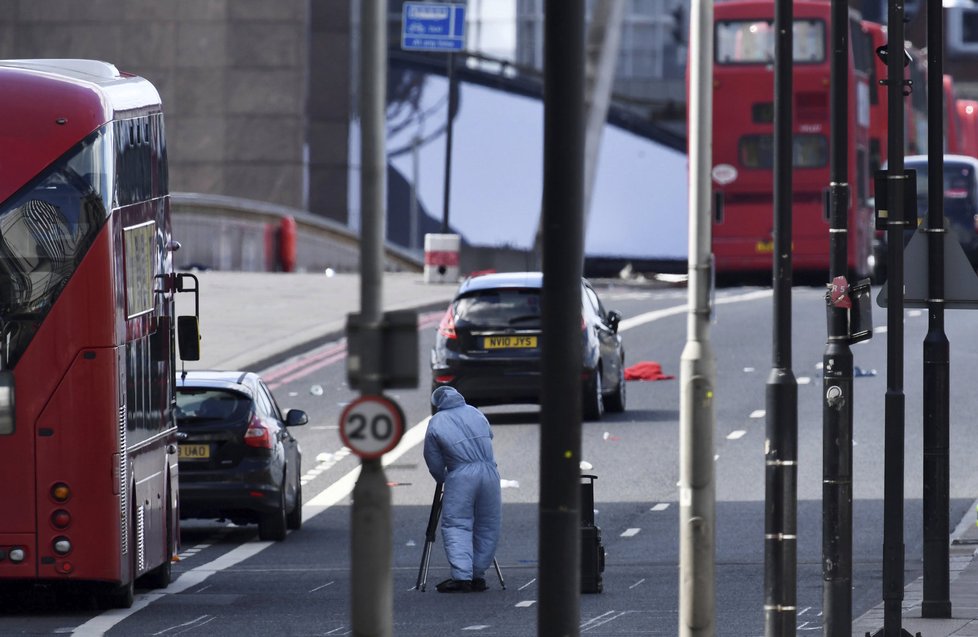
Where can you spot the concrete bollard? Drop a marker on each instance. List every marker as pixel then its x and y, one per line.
pixel 441 258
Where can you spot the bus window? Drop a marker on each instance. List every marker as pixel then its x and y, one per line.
pixel 752 42
pixel 808 151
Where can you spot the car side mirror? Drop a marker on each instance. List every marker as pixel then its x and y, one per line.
pixel 614 318
pixel 295 418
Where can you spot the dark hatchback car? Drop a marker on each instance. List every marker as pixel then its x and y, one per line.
pixel 488 345
pixel 960 204
pixel 238 459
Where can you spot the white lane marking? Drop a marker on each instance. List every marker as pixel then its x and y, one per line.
pixel 736 435
pixel 527 584
pixel 602 619
pixel 757 413
pixel 200 621
pixel 648 317
pixel 526 603
pixel 319 588
pixel 661 506
pixel 476 627
pixel 804 380
pixel 638 583
pixel 630 532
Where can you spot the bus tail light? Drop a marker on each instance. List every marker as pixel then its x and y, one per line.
pixel 60 492
pixel 61 545
pixel 17 555
pixel 66 567
pixel 61 519
pixel 258 435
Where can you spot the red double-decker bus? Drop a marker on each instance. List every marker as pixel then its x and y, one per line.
pixel 743 139
pixel 87 432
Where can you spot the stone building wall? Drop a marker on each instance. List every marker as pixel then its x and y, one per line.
pixel 256 96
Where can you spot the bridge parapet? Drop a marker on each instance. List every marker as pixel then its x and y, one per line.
pixel 231 233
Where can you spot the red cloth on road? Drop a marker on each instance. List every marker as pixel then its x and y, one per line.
pixel 646 370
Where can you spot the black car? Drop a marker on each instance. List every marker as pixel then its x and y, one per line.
pixel 960 204
pixel 238 459
pixel 488 345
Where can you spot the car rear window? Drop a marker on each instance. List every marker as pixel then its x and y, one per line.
pixel 197 404
pixel 500 308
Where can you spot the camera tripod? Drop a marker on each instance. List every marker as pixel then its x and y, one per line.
pixel 429 539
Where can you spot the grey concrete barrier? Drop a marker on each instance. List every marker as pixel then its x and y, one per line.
pixel 218 232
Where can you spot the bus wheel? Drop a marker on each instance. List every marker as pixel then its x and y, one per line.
pixel 118 596
pixel 271 526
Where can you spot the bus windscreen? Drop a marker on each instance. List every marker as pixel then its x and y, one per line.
pixel 752 42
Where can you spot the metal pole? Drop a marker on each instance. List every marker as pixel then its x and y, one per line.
pixel 781 450
pixel 837 395
pixel 452 107
pixel 936 497
pixel 371 534
pixel 697 369
pixel 563 249
pixel 894 412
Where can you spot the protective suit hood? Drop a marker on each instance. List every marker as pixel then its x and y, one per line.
pixel 446 398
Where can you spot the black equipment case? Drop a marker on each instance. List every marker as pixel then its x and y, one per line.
pixel 592 551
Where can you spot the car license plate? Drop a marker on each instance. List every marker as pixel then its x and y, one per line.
pixel 194 452
pixel 509 342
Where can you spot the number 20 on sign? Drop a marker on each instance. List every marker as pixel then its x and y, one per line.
pixel 371 426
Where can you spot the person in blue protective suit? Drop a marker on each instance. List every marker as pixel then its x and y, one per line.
pixel 458 452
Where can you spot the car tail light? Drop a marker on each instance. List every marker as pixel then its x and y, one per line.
pixel 583 323
pixel 444 378
pixel 447 326
pixel 258 435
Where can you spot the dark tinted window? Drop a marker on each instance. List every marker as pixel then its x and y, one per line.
pixel 45 230
pixel 199 404
pixel 499 308
pixel 810 151
pixel 960 185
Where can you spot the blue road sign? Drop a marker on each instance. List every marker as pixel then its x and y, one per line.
pixel 427 26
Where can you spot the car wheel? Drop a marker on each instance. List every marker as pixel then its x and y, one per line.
pixel 272 526
pixel 591 394
pixel 294 519
pixel 616 400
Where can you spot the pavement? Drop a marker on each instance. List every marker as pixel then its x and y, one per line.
pixel 250 320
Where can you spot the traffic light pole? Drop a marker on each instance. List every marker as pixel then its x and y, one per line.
pixel 781 451
pixel 371 533
pixel 559 546
pixel 697 420
pixel 936 469
pixel 837 405
pixel 895 403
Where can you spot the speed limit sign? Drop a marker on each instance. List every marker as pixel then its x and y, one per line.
pixel 371 426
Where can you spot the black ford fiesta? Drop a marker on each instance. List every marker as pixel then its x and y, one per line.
pixel 488 345
pixel 238 459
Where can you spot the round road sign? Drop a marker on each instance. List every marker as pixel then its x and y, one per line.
pixel 371 426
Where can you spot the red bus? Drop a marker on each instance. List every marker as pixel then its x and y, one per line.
pixel 915 107
pixel 87 431
pixel 743 144
pixel 968 119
